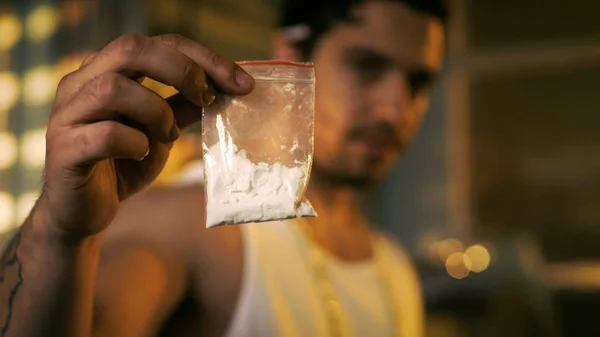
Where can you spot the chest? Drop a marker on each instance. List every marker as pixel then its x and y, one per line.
pixel 282 296
pixel 351 299
pixel 269 288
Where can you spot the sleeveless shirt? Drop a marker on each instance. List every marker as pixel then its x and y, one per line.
pixel 280 298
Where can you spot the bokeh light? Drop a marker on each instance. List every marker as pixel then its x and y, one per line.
pixel 448 247
pixel 8 150
pixel 479 256
pixel 33 148
pixel 41 22
pixel 458 265
pixel 9 90
pixel 7 211
pixel 68 64
pixel 39 86
pixel 428 245
pixel 11 30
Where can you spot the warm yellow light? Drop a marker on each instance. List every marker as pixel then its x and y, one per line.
pixel 41 22
pixel 167 11
pixel 429 247
pixel 182 153
pixel 162 89
pixel 68 64
pixel 8 150
pixel 447 247
pixel 479 256
pixel 458 265
pixel 7 211
pixel 33 148
pixel 10 30
pixel 73 11
pixel 9 90
pixel 25 203
pixel 39 86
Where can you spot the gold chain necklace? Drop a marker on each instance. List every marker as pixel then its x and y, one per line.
pixel 327 291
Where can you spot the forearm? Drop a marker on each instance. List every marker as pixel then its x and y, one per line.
pixel 47 284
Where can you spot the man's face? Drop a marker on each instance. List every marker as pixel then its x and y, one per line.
pixel 373 77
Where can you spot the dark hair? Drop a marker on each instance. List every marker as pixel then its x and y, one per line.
pixel 315 17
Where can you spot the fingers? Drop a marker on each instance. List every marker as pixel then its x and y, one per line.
pixel 104 140
pixel 104 89
pixel 170 59
pixel 89 58
pixel 113 96
pixel 228 75
pixel 185 112
pixel 133 55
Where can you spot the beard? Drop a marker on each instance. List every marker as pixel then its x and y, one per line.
pixel 341 170
pixel 338 177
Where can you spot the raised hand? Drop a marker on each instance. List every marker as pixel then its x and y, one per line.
pixel 109 136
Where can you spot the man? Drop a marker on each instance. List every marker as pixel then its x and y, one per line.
pixel 92 260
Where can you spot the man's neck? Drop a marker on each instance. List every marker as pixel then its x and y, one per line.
pixel 341 227
pixel 336 205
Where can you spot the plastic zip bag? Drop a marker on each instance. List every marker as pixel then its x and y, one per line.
pixel 258 148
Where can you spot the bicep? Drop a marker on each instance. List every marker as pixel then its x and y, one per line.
pixel 136 289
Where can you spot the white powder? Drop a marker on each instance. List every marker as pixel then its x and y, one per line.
pixel 239 191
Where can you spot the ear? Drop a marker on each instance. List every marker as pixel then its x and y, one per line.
pixel 283 49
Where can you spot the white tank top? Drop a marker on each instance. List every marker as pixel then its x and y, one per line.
pixel 279 297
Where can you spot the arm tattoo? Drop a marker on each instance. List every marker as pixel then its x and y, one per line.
pixel 11 279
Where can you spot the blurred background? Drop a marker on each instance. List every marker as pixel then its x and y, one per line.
pixel 498 200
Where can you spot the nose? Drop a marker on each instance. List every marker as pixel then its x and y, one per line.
pixel 390 98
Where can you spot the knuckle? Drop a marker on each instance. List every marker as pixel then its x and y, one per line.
pixel 65 85
pixel 165 112
pixel 88 58
pixel 81 141
pixel 131 45
pixel 172 40
pixel 105 87
pixel 213 59
pixel 221 64
pixel 66 80
pixel 103 139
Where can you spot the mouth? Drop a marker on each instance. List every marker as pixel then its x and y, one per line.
pixel 378 147
pixel 376 141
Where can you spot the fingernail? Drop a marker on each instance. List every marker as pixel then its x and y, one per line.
pixel 145 155
pixel 243 79
pixel 174 133
pixel 208 96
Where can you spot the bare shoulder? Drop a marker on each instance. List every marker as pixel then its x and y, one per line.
pixel 157 251
pixel 144 265
pixel 172 222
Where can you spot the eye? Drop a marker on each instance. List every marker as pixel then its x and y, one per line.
pixel 368 68
pixel 419 81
